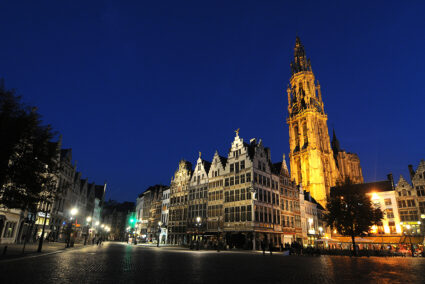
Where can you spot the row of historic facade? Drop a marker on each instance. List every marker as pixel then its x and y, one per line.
pixel 244 198
pixel 240 199
pixel 76 208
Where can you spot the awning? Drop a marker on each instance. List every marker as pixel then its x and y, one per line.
pixel 379 240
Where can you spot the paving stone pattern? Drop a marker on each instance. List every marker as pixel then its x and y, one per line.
pixel 122 263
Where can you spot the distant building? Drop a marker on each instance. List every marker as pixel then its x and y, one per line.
pixel 411 200
pixel 165 215
pixel 115 216
pixel 197 200
pixel 179 191
pixel 383 196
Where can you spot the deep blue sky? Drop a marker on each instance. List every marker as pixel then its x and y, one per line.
pixel 136 86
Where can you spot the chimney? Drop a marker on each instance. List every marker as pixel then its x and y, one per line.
pixel 391 179
pixel 411 172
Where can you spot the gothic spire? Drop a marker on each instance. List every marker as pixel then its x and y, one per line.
pixel 335 143
pixel 300 62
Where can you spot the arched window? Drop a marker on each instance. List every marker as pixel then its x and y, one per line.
pixel 305 136
pixel 297 139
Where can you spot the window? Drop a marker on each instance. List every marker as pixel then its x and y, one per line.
pixel 255 178
pixel 237 214
pixel 242 179
pixel 410 203
pixel 232 168
pixel 226 182
pixel 236 179
pixel 232 196
pixel 226 214
pixel 260 194
pixel 242 165
pixel 9 229
pixel 261 214
pixel 243 194
pixel 227 199
pixel 237 195
pixel 420 192
pixel 390 214
pixel 232 181
pixel 243 214
pixel 248 195
pixel 422 207
pixel 232 214
pixel 248 177
pixel 387 201
pixel 237 167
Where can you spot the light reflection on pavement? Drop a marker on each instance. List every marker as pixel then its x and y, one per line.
pixel 122 263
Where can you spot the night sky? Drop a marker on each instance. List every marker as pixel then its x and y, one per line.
pixel 134 87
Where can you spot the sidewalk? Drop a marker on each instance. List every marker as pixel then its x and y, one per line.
pixel 15 250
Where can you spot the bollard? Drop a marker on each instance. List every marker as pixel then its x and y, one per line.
pixel 4 250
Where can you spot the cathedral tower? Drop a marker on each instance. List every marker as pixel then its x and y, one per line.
pixel 311 156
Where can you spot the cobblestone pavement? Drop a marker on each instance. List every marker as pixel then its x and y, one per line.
pixel 122 263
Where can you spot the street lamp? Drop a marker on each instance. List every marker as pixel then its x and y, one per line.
pixel 198 224
pixel 159 232
pixel 74 211
pixel 97 223
pixel 88 219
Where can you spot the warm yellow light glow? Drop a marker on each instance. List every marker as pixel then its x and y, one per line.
pixel 375 196
pixel 74 211
pixel 88 219
pixel 408 227
pixel 97 223
pixel 386 229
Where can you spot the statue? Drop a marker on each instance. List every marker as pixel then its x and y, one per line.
pixel 237 132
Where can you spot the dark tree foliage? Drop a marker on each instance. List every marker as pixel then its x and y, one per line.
pixel 350 213
pixel 27 155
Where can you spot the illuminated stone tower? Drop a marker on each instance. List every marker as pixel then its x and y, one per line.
pixel 311 157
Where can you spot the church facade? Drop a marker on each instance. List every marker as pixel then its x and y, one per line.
pixel 314 163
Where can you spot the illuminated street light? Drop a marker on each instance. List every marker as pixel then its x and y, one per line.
pixel 97 223
pixel 88 219
pixel 74 211
pixel 102 226
pixel 159 233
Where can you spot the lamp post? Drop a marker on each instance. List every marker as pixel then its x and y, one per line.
pixel 159 232
pixel 198 224
pixel 73 212
pixel 88 219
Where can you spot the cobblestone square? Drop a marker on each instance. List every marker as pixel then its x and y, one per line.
pixel 122 263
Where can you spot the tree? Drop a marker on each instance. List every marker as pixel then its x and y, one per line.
pixel 28 158
pixel 351 213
